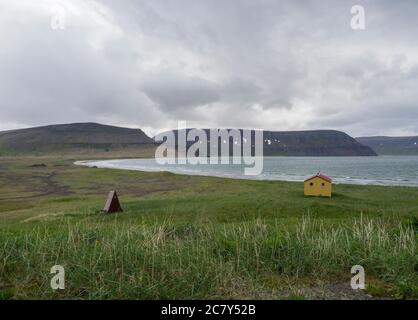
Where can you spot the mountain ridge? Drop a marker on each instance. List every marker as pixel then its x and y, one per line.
pixel 304 143
pixel 94 138
pixel 386 145
pixel 73 137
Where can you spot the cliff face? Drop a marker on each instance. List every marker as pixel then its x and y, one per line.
pixel 307 143
pixel 391 145
pixel 314 143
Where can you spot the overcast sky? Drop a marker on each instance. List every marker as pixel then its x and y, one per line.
pixel 266 64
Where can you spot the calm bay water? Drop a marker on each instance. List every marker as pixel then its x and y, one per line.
pixel 383 170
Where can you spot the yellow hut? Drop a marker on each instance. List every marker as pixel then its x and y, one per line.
pixel 318 185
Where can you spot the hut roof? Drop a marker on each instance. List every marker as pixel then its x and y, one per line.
pixel 320 175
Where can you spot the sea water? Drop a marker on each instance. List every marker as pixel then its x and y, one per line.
pixel 382 170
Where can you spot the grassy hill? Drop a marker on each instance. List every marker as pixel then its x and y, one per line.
pixel 391 145
pixel 72 138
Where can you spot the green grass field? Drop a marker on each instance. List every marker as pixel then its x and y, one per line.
pixel 199 237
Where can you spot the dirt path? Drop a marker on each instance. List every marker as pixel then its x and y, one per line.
pixel 47 183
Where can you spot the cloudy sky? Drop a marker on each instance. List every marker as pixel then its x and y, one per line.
pixel 266 64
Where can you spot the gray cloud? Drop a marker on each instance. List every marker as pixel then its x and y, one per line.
pixel 269 64
pixel 174 91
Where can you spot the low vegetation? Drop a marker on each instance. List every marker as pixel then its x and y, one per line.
pixel 199 237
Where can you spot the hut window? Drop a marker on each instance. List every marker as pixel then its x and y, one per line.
pixel 311 184
pixel 323 184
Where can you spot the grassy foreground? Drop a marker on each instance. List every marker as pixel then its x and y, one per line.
pixel 199 237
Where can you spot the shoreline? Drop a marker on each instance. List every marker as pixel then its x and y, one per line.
pixel 105 164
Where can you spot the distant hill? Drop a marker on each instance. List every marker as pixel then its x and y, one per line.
pixel 391 145
pixel 72 138
pixel 309 143
pixel 97 139
pixel 314 143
